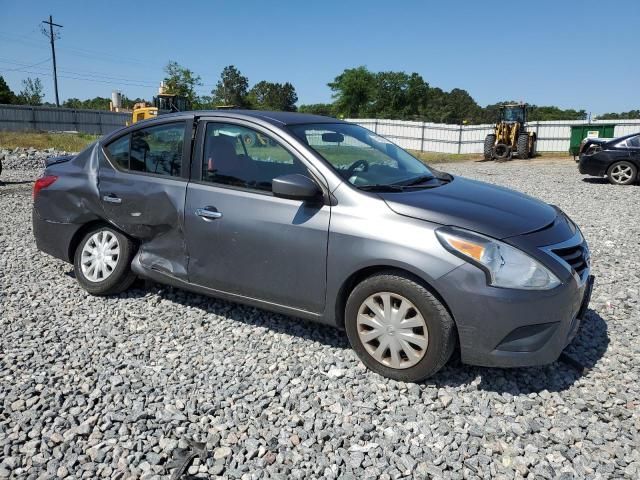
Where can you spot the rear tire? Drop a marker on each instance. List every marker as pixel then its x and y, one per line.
pixel 622 173
pixel 489 142
pixel 102 262
pixel 413 314
pixel 523 146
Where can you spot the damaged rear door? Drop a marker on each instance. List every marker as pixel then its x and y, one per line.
pixel 142 184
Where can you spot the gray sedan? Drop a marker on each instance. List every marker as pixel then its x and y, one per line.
pixel 324 220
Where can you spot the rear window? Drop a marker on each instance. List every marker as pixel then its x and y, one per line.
pixel 153 150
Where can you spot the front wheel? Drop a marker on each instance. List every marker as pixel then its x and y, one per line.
pixel 523 146
pixel 398 328
pixel 489 143
pixel 622 173
pixel 102 262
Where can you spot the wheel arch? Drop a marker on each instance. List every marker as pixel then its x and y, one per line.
pixel 84 229
pixel 363 273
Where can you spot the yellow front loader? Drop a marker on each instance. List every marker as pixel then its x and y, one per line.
pixel 510 135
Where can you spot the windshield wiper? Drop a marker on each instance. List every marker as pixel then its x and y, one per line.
pixel 380 188
pixel 415 180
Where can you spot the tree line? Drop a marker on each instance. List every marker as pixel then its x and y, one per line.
pixel 356 93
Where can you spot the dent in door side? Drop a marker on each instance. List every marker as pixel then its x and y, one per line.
pixel 152 212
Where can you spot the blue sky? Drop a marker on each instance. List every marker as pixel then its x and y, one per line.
pixel 573 54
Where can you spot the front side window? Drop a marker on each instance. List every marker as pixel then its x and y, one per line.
pixel 242 157
pixel 156 150
pixel 360 156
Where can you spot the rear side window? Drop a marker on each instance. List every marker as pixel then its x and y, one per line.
pixel 119 152
pixel 634 142
pixel 155 150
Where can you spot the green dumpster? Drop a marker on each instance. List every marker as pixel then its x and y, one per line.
pixel 580 132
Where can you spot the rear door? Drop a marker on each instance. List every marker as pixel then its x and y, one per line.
pixel 142 186
pixel 243 240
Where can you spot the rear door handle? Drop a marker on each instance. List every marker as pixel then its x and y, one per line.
pixel 111 198
pixel 208 213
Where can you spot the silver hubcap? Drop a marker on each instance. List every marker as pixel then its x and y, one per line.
pixel 392 330
pixel 100 256
pixel 621 173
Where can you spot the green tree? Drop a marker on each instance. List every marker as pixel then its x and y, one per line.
pixel 32 92
pixel 353 92
pixel 554 113
pixel 181 81
pixel 231 89
pixel 325 109
pixel 273 96
pixel 631 114
pixel 6 95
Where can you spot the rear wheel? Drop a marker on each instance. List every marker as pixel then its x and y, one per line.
pixel 523 146
pixel 102 262
pixel 489 142
pixel 398 328
pixel 622 173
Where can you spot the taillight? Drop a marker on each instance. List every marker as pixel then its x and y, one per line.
pixel 43 182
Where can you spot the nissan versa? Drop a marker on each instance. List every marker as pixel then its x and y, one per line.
pixel 325 220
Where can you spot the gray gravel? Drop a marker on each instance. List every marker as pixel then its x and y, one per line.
pixel 27 158
pixel 111 387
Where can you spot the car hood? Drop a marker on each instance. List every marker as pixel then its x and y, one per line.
pixel 488 209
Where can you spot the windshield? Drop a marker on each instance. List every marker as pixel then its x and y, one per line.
pixel 513 114
pixel 360 156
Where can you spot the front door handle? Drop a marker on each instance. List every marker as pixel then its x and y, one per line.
pixel 111 198
pixel 208 213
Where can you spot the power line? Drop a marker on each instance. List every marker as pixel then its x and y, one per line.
pixel 24 65
pixel 53 54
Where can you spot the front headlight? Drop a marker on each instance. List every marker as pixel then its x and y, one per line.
pixel 506 266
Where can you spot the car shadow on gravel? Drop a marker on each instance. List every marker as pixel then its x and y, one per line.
pixel 587 348
pixel 597 180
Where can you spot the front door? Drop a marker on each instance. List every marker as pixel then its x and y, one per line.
pixel 243 240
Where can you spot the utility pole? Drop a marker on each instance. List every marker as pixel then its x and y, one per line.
pixel 53 54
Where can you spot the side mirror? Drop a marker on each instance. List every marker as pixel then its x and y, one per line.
pixel 295 187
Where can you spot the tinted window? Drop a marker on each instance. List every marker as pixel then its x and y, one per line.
pixel 243 157
pixel 156 150
pixel 634 142
pixel 119 152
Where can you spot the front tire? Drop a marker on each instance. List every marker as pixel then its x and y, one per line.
pixel 489 142
pixel 622 173
pixel 102 262
pixel 398 328
pixel 523 146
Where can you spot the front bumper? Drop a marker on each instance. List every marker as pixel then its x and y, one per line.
pixel 513 328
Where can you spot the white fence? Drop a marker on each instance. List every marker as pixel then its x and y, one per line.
pixel 553 136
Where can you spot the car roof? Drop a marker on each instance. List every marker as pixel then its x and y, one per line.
pixel 275 118
pixel 278 119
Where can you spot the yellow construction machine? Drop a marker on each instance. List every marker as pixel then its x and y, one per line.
pixel 510 135
pixel 162 103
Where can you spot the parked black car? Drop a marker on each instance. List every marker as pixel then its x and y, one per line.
pixel 618 159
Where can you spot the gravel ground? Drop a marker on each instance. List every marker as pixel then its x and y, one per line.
pixel 113 387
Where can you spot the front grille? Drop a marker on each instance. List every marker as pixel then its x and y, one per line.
pixel 575 256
